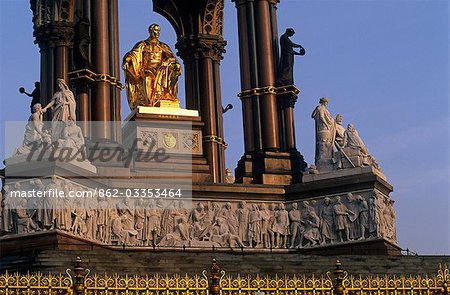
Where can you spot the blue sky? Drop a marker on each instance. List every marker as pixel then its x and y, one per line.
pixel 383 64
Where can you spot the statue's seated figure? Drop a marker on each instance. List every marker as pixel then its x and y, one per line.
pixel 354 150
pixel 34 135
pixel 151 72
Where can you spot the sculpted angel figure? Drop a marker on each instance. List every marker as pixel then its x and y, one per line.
pixel 151 72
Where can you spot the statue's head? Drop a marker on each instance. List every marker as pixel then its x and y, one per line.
pixel 37 107
pixel 61 84
pixel 290 31
pixel 350 127
pixel 338 199
pixel 324 101
pixel 339 119
pixel 37 84
pixel 327 201
pixel 294 206
pixel 154 31
pixel 228 171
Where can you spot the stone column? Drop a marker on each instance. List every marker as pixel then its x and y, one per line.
pixel 115 68
pixel 287 106
pixel 201 56
pixel 54 41
pixel 266 75
pixel 247 66
pixel 258 65
pixel 101 99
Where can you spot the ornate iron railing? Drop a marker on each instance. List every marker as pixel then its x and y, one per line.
pixel 81 282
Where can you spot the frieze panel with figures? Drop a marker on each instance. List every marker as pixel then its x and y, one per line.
pixel 175 222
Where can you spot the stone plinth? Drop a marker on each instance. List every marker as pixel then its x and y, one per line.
pixel 174 132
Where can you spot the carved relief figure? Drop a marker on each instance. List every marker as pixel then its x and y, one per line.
pixel 254 228
pixel 151 72
pixel 243 221
pixel 294 220
pixel 341 217
pixel 197 220
pixel 266 224
pixel 222 235
pixel 312 233
pixel 326 221
pixel 229 217
pixel 179 236
pixel 281 226
pixel 361 217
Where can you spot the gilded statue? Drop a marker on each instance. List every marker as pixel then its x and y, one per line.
pixel 151 72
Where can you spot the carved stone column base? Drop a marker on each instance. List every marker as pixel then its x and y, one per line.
pixel 272 168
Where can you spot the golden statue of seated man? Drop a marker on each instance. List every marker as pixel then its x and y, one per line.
pixel 151 72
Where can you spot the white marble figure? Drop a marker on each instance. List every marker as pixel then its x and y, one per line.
pixel 325 133
pixel 33 138
pixel 63 107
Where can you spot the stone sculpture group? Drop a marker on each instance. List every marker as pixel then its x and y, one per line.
pixel 350 149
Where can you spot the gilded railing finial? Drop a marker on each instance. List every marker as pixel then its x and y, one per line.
pixel 78 285
pixel 214 288
pixel 338 273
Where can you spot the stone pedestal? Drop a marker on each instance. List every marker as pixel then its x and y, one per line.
pixel 270 168
pixel 166 141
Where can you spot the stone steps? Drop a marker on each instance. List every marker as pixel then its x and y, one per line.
pixel 110 261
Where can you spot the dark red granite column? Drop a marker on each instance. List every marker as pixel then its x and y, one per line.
pixel 247 112
pixel 115 68
pixel 266 75
pixel 101 99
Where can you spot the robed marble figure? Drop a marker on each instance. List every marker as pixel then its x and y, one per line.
pixel 151 72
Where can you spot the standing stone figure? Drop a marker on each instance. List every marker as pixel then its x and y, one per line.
pixel 151 72
pixel 341 213
pixel 266 231
pixel 243 221
pixel 325 136
pixel 286 66
pixel 254 226
pixel 82 40
pixel 294 218
pixel 36 94
pixel 326 221
pixel 281 226
pixel 63 107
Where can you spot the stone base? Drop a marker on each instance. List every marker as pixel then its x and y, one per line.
pixel 174 132
pixel 20 167
pixel 271 168
pixel 56 252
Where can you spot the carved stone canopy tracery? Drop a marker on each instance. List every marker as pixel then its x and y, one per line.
pixel 204 46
